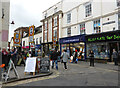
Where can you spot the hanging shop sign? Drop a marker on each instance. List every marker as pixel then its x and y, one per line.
pixel 108 36
pixel 17 39
pixel 31 34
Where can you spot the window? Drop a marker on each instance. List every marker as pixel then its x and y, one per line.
pixel 45 35
pixel 118 2
pixel 55 22
pixel 46 26
pixel 36 41
pixel 97 28
pixel 68 17
pixel 119 21
pixel 40 40
pixel 82 28
pixel 23 43
pixel 55 33
pixel 40 29
pixel 69 31
pixel 88 10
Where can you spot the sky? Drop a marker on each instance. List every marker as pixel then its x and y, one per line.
pixel 27 12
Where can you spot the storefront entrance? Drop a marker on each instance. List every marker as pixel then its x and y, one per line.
pixel 114 45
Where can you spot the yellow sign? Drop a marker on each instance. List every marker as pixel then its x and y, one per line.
pixel 17 39
pixel 31 34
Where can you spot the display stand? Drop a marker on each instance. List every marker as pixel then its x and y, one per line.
pixel 30 65
pixel 10 67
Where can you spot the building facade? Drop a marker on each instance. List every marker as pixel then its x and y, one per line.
pixel 81 19
pixel 52 24
pixel 4 22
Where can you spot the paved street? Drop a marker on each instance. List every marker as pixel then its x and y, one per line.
pixel 80 74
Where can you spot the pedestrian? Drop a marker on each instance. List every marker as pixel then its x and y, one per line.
pixel 65 57
pixel 54 57
pixel 115 57
pixel 39 54
pixel 91 55
pixel 119 57
pixel 14 56
pixel 4 57
pixel 75 55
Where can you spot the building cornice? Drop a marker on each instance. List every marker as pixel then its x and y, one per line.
pixel 55 14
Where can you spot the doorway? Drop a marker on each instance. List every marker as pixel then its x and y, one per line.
pixel 112 46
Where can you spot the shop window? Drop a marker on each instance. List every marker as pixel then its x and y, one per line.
pixel 36 41
pixel 40 40
pixel 82 28
pixel 69 31
pixel 97 28
pixel 88 10
pixel 118 3
pixel 68 17
pixel 55 22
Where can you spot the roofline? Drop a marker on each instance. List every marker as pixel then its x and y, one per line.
pixel 52 6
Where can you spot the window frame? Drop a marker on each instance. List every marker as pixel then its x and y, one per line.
pixel 88 9
pixel 69 17
pixel 69 31
pixel 97 29
pixel 83 31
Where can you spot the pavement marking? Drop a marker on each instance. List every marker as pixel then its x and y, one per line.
pixel 33 80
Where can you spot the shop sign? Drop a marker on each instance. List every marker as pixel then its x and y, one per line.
pixel 17 39
pixel 104 38
pixel 31 34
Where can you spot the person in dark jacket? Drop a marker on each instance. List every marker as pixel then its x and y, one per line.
pixel 91 55
pixel 119 57
pixel 14 56
pixel 54 58
pixel 115 57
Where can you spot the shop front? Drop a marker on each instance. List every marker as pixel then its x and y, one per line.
pixel 103 44
pixel 74 43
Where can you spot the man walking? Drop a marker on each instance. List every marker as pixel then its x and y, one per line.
pixel 54 58
pixel 91 55
pixel 115 57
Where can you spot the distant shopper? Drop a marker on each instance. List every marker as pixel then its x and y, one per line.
pixel 39 54
pixel 14 56
pixel 119 57
pixel 91 55
pixel 65 57
pixel 75 55
pixel 54 57
pixel 115 57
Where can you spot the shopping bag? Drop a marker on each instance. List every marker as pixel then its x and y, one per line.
pixel 50 62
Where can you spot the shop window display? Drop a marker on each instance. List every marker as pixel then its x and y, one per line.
pixel 101 50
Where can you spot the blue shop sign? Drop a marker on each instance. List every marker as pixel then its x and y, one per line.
pixel 73 39
pixel 37 46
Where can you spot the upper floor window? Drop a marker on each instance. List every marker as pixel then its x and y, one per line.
pixel 55 21
pixel 97 28
pixel 36 40
pixel 41 29
pixel 68 17
pixel 82 28
pixel 55 33
pixel 69 31
pixel 118 2
pixel 119 21
pixel 40 40
pixel 45 26
pixel 45 35
pixel 88 10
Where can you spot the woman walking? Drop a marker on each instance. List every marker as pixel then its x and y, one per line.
pixel 65 57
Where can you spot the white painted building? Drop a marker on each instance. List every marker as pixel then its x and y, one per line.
pixel 4 22
pixel 84 17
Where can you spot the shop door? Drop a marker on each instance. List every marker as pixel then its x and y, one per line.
pixel 113 46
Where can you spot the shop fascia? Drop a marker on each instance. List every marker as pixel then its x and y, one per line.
pixel 104 38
